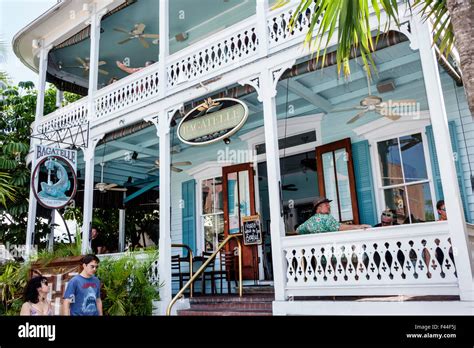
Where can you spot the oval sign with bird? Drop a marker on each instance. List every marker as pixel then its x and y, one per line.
pixel 213 120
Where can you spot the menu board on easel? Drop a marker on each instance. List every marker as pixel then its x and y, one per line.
pixel 252 232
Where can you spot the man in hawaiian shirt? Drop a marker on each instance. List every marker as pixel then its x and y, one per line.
pixel 323 221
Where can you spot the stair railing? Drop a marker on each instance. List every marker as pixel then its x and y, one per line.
pixel 190 255
pixel 204 266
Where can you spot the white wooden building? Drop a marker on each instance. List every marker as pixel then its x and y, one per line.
pixel 244 49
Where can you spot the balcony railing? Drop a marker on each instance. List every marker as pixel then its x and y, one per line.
pixel 398 260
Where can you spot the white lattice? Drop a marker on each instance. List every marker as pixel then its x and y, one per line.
pixel 279 25
pixel 71 115
pixel 401 258
pixel 130 91
pixel 230 49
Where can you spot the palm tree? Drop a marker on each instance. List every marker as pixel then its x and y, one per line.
pixel 7 191
pixel 453 23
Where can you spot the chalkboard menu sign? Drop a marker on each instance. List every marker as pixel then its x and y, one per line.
pixel 252 231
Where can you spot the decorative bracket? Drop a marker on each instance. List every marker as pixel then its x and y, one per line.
pixel 78 134
pixel 89 151
pixel 406 28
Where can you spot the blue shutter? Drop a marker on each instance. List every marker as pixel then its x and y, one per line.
pixel 435 166
pixel 364 183
pixel 188 195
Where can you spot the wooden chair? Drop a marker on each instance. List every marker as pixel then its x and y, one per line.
pixel 176 274
pixel 208 272
pixel 227 270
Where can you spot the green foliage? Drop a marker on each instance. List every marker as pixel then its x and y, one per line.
pixel 13 278
pixel 61 250
pixel 351 19
pixel 126 284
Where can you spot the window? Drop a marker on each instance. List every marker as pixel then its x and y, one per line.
pixel 212 213
pixel 405 184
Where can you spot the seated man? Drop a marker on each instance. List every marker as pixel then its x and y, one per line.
pixel 323 221
pixel 441 208
pixel 388 218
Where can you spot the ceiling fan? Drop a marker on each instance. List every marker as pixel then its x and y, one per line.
pixel 104 187
pixel 85 65
pixel 155 202
pixel 137 33
pixel 173 166
pixel 376 104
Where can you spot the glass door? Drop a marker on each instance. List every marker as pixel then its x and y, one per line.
pixel 336 179
pixel 239 201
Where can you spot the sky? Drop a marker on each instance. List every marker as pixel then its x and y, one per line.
pixel 14 16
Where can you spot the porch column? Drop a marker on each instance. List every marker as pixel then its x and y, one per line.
pixel 262 28
pixel 452 197
pixel 164 46
pixel 94 20
pixel 121 243
pixel 43 65
pixel 88 193
pixel 267 95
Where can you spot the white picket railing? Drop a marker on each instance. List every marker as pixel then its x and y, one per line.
pixel 398 260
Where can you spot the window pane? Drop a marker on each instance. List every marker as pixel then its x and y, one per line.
pixel 218 195
pixel 233 203
pixel 390 164
pixel 413 158
pixel 421 205
pixel 219 229
pixel 207 197
pixel 343 185
pixel 209 232
pixel 395 199
pixel 244 192
pixel 330 183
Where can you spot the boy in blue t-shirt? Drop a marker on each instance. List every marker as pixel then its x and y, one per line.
pixel 82 295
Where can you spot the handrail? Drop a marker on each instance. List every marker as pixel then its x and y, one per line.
pixel 190 254
pixel 203 267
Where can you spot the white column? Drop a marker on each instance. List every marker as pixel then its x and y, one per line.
pixel 164 46
pixel 95 18
pixel 121 243
pixel 43 65
pixel 164 263
pixel 452 197
pixel 88 193
pixel 262 28
pixel 277 229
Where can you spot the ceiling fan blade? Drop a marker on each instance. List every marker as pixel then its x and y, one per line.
pixel 177 170
pixel 102 62
pixel 122 30
pixel 356 107
pixel 153 170
pixel 392 116
pixel 124 41
pixel 151 36
pixel 184 163
pixel 81 61
pixel 143 41
pixel 120 189
pixel 139 28
pixel 356 117
pixel 109 186
pixel 103 72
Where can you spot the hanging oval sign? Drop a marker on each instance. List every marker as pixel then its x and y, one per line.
pixel 56 172
pixel 213 120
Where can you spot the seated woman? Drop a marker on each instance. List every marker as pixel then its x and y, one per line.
pixel 323 221
pixel 35 294
pixel 388 218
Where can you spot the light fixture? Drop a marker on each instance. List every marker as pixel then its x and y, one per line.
pixel 227 141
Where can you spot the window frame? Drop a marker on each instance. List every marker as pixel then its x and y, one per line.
pixel 379 187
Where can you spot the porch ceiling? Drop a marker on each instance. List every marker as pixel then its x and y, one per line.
pixel 312 93
pixel 196 18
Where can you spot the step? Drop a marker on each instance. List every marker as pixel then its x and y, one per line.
pixel 223 312
pixel 258 289
pixel 268 298
pixel 233 306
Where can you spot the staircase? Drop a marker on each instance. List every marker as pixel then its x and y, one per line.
pixel 254 302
